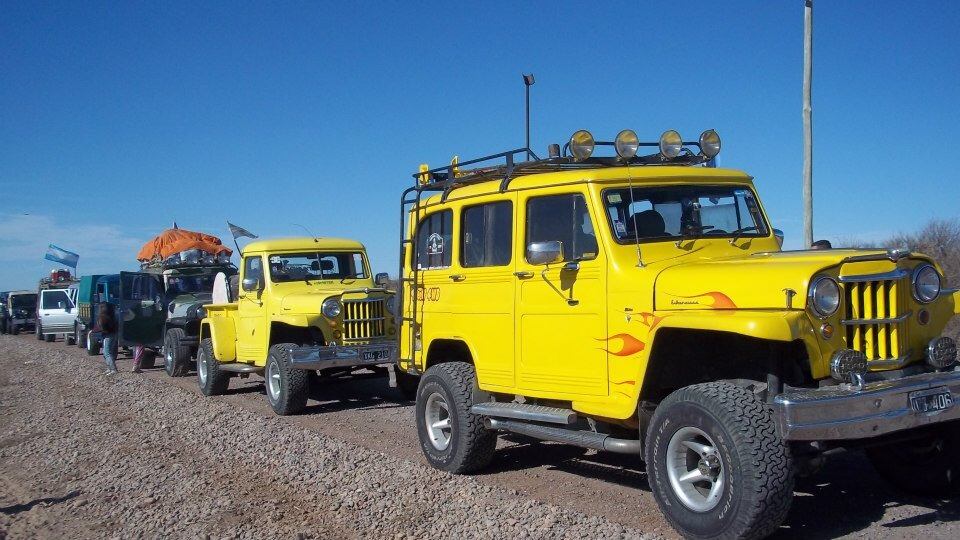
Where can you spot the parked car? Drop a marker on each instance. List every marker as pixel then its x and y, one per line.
pixel 20 312
pixel 641 304
pixel 305 305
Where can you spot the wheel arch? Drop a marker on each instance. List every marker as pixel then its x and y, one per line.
pixel 443 350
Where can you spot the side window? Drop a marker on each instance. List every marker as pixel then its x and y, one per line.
pixel 435 240
pixel 253 268
pixel 55 300
pixel 564 218
pixel 486 235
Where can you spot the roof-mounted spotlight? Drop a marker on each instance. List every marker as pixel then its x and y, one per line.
pixel 627 144
pixel 670 144
pixel 581 145
pixel 709 144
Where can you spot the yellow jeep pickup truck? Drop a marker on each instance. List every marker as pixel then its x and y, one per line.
pixel 304 305
pixel 641 304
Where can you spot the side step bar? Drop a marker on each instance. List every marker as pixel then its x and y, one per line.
pixel 525 411
pixel 240 368
pixel 585 439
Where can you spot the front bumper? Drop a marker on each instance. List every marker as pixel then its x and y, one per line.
pixel 876 408
pixel 343 356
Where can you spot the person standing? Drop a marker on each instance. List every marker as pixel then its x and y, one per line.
pixel 107 324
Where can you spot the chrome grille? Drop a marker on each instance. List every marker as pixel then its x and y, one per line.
pixel 875 317
pixel 364 319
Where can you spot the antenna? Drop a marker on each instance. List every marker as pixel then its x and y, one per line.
pixel 636 231
pixel 528 81
pixel 309 232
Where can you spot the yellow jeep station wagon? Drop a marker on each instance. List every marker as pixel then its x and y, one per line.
pixel 642 304
pixel 305 306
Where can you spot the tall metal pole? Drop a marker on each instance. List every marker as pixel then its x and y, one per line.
pixel 528 81
pixel 807 124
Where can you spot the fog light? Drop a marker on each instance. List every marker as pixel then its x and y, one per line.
pixel 942 352
pixel 581 145
pixel 336 334
pixel 670 144
pixel 709 144
pixel 848 365
pixel 627 144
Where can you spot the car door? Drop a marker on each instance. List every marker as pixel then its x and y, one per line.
pixel 140 315
pixel 561 315
pixel 480 288
pixel 252 336
pixel 56 308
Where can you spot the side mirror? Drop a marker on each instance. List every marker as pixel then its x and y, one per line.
pixel 545 252
pixel 382 279
pixel 779 236
pixel 250 284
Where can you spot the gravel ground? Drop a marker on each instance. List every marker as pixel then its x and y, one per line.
pixel 85 455
pixel 182 465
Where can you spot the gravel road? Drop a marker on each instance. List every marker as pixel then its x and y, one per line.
pixel 87 455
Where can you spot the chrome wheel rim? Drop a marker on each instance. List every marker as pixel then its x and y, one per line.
pixel 695 469
pixel 436 416
pixel 273 381
pixel 202 367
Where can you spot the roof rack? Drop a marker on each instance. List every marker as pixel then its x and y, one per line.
pixel 505 165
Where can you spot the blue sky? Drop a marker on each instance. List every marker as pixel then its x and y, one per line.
pixel 118 118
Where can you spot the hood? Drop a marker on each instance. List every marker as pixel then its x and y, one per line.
pixel 306 302
pixel 760 280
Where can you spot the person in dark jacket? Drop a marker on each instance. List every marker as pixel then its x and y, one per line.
pixel 107 324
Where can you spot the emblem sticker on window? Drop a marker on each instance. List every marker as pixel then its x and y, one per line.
pixel 435 244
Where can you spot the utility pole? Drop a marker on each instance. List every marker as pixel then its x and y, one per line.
pixel 807 124
pixel 528 81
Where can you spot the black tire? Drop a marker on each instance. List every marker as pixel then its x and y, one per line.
pixel 38 329
pixel 3 327
pixel 176 355
pixel 925 466
pixel 407 384
pixel 81 338
pixel 287 387
pixel 92 345
pixel 755 473
pixel 470 446
pixel 14 329
pixel 71 339
pixel 50 338
pixel 212 380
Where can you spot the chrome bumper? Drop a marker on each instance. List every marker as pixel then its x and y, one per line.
pixel 343 356
pixel 876 408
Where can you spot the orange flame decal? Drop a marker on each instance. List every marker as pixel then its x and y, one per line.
pixel 629 345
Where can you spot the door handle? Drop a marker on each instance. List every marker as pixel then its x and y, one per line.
pixel 458 277
pixel 523 275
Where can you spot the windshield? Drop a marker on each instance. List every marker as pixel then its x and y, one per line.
pixel 307 266
pixel 671 212
pixel 189 284
pixel 24 301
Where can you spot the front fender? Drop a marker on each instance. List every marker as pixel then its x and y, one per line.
pixel 223 334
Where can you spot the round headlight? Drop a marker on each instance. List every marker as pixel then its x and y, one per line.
pixel 627 144
pixel 710 143
pixel 824 296
pixel 581 145
pixel 391 304
pixel 670 144
pixel 926 284
pixel 330 308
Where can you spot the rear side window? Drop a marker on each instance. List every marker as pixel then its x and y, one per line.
pixel 564 218
pixel 55 300
pixel 252 268
pixel 434 241
pixel 486 235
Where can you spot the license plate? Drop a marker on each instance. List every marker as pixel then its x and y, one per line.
pixel 378 354
pixel 932 400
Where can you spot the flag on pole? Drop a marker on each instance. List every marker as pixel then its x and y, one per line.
pixel 62 256
pixel 239 232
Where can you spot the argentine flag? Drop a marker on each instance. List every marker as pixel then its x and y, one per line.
pixel 62 256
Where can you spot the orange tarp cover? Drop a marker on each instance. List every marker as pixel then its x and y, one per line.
pixel 173 241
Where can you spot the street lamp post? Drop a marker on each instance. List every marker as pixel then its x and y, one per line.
pixel 528 81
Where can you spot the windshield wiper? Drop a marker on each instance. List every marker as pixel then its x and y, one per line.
pixel 739 232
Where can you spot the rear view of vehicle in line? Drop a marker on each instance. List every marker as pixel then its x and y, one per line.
pixel 641 304
pixel 20 312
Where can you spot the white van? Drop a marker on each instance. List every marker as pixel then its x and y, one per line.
pixel 56 314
